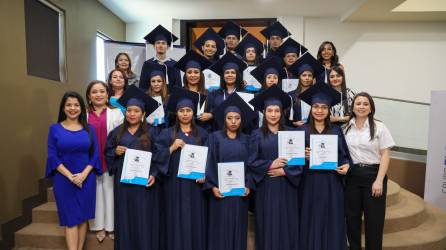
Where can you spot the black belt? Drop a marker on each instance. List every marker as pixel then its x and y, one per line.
pixel 363 165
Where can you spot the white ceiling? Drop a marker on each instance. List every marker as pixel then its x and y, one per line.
pixel 134 11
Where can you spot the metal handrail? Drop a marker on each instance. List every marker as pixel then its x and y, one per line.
pixel 401 100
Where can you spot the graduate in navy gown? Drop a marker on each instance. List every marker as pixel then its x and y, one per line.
pixel 210 44
pixel 276 197
pixel 193 64
pixel 136 207
pixel 72 163
pixel 228 215
pixel 275 33
pixel 305 68
pixel 156 78
pixel 184 203
pixel 161 39
pixel 289 51
pixel 232 33
pixel 322 207
pixel 229 67
pixel 270 72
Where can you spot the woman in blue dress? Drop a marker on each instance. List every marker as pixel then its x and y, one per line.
pixel 136 207
pixel 184 204
pixel 72 163
pixel 322 207
pixel 228 215
pixel 276 197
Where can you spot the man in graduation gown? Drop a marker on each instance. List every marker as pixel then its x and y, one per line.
pixel 161 39
pixel 232 33
pixel 275 34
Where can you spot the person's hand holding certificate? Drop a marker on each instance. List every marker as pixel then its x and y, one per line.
pixel 292 147
pixel 231 178
pixel 192 162
pixel 324 152
pixel 136 167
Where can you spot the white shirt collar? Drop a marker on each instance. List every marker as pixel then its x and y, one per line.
pixel 366 123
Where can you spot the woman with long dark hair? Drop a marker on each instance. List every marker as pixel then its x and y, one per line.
pixel 327 55
pixel 229 67
pixel 117 83
pixel 228 213
pixel 136 206
pixel 322 193
pixel 72 163
pixel 193 64
pixel 123 62
pixel 103 118
pixel 276 183
pixel 340 113
pixel 184 203
pixel 369 142
pixel 306 68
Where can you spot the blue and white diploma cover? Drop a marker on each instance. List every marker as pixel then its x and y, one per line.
pixel 324 152
pixel 192 162
pixel 292 147
pixel 231 178
pixel 136 167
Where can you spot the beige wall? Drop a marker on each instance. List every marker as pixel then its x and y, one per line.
pixel 30 104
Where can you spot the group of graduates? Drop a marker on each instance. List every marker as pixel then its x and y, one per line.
pixel 295 207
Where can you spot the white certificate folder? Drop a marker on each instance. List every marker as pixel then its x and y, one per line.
pixel 324 152
pixel 136 167
pixel 231 178
pixel 292 147
pixel 192 162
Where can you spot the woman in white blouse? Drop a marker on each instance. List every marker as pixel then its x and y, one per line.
pixel 369 142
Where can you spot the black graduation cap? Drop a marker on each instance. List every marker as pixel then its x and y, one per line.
pixel 153 69
pixel 228 61
pixel 133 96
pixel 192 60
pixel 272 65
pixel 290 46
pixel 271 96
pixel 210 34
pixel 249 41
pixel 321 93
pixel 231 28
pixel 234 103
pixel 307 63
pixel 160 33
pixel 180 98
pixel 275 29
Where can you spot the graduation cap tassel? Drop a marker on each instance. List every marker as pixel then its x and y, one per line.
pixel 325 72
pixel 264 51
pixel 267 46
pixel 171 40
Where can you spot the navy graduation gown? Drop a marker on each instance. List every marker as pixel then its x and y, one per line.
pixel 322 207
pixel 228 217
pixel 136 207
pixel 276 198
pixel 172 72
pixel 297 110
pixel 184 203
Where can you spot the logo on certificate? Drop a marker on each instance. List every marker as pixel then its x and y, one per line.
pixel 136 159
pixel 229 173
pixel 290 141
pixel 322 145
pixel 192 155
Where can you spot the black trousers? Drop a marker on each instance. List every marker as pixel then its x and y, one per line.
pixel 359 200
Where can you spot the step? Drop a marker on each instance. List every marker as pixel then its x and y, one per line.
pixel 393 190
pixel 408 213
pixel 429 235
pixel 51 236
pixel 46 213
